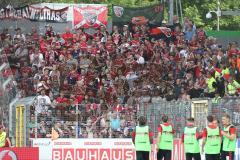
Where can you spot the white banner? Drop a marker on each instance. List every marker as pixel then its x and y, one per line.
pixel 100 149
pixel 85 149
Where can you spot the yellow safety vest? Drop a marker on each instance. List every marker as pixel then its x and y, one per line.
pixel 231 89
pixel 225 71
pixel 236 84
pixel 2 139
pixel 210 82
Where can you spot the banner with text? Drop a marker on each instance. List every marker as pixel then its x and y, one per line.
pixel 35 13
pixel 125 15
pixel 82 149
pixel 87 16
pixel 19 153
pixel 101 149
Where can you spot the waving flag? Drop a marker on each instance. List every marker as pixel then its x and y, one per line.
pixel 89 16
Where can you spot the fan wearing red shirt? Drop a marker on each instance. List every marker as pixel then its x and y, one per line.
pixel 206 137
pixel 61 102
pixel 67 35
pixel 162 133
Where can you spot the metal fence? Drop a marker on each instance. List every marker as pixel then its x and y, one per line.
pixel 179 111
pixel 230 106
pixel 95 121
pixel 8 91
pixel 82 121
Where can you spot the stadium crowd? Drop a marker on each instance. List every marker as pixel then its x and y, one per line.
pixel 97 80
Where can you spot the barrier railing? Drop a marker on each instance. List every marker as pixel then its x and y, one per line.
pixel 83 121
pixel 92 121
pixel 179 111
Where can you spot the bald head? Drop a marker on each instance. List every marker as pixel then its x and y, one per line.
pixel 67 29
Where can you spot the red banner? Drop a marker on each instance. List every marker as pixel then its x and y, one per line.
pixel 89 16
pixel 19 153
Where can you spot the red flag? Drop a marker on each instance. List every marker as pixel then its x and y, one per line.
pixel 89 16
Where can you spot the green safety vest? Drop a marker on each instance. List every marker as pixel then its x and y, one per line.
pixel 2 139
pixel 228 145
pixel 231 89
pixel 225 71
pixel 166 141
pixel 236 84
pixel 217 74
pixel 191 144
pixel 213 141
pixel 216 100
pixel 142 141
pixel 210 85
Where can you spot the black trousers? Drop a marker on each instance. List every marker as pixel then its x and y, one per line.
pixel 142 155
pixel 164 154
pixel 225 154
pixel 212 156
pixel 191 156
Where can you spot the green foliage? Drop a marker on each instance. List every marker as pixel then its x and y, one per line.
pixel 192 11
pixel 197 10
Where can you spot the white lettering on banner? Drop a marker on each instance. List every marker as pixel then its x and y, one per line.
pixel 93 154
pixel 105 155
pixel 53 16
pixel 56 155
pixel 129 155
pixel 81 155
pixel 58 16
pixel 117 154
pixel 33 13
pixel 48 15
pixel 69 155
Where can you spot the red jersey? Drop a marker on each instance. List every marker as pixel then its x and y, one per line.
pixel 204 134
pixel 67 36
pixel 165 124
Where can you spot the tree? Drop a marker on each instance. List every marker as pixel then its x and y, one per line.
pixel 204 6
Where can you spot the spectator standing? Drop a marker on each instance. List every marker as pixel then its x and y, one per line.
pixel 3 137
pixel 190 32
pixel 43 103
pixel 115 122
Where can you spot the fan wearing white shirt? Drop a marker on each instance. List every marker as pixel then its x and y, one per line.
pixel 43 103
pixel 140 59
